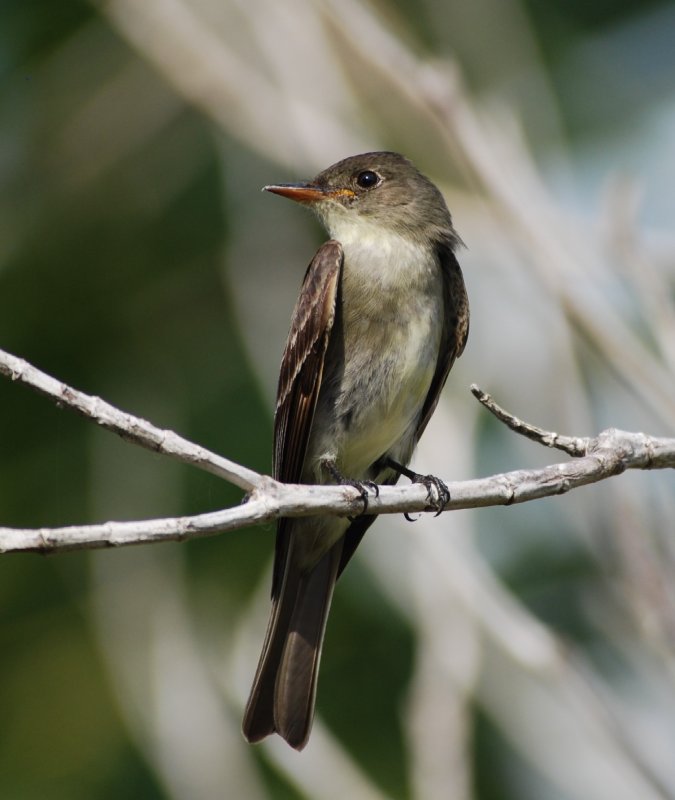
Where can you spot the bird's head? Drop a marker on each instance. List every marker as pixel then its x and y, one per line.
pixel 373 190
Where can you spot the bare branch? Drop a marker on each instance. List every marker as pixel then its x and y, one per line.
pixel 610 453
pixel 131 428
pixel 572 445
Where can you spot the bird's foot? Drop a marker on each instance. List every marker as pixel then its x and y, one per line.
pixel 438 494
pixel 361 486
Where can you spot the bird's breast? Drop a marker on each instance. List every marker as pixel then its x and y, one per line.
pixel 382 358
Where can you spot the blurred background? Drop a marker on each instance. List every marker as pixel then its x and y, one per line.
pixel 502 654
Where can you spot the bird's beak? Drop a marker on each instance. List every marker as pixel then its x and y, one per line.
pixel 306 192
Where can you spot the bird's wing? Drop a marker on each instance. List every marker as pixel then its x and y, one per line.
pixel 454 333
pixel 301 373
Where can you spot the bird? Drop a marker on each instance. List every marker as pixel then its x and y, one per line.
pixel 381 317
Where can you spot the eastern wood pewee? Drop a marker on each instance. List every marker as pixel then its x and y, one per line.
pixel 381 317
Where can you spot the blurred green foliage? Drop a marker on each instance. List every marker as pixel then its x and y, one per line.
pixel 112 282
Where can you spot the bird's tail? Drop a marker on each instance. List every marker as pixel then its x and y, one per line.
pixel 284 688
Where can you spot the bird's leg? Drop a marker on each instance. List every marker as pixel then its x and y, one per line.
pixel 362 486
pixel 438 499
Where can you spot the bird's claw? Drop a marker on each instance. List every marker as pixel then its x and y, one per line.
pixel 361 486
pixel 438 493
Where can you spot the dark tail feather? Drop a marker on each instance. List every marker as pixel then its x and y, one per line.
pixel 284 688
pixel 259 715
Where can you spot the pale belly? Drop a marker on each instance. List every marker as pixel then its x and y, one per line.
pixel 375 399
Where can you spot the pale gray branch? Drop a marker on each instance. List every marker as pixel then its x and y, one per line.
pixel 572 445
pixel 608 454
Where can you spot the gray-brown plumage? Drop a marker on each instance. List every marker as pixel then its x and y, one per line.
pixel 381 317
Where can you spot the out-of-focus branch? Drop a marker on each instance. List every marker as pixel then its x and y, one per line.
pixel 608 454
pixel 493 154
pixel 489 148
pixel 179 42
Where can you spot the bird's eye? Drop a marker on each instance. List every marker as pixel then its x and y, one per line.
pixel 367 179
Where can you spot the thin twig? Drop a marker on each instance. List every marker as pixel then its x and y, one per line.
pixel 572 445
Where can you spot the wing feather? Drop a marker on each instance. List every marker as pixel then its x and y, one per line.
pixel 300 376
